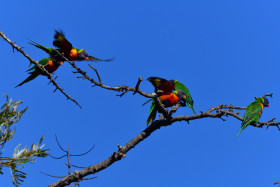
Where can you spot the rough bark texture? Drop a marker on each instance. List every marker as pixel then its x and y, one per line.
pixel 214 112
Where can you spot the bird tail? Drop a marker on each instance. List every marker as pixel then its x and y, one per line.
pixel 46 49
pixel 33 75
pixel 192 108
pixel 91 58
pixel 153 113
pixel 241 129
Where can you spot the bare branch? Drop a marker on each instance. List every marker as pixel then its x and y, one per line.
pixel 59 145
pixel 52 175
pixel 58 157
pixel 140 79
pixel 100 81
pixel 85 152
pixel 122 88
pixel 270 95
pixel 213 112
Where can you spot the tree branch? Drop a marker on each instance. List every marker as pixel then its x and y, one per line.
pixel 214 112
pixel 122 88
pixel 40 67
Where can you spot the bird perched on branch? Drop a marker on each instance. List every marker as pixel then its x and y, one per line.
pixel 170 93
pixel 65 47
pixel 253 112
pixel 167 100
pixel 50 64
pixel 163 86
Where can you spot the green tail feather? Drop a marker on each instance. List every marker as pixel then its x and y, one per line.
pixel 33 75
pixel 241 129
pixel 192 108
pixel 153 113
pixel 48 50
pixel 91 58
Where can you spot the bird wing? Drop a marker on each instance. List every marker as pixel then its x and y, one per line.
pixel 252 111
pixel 182 87
pixel 61 42
pixel 42 62
pixel 161 84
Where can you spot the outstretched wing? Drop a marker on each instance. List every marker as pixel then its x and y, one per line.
pixel 161 84
pixel 61 42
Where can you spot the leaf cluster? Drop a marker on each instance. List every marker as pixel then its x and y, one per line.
pixel 9 116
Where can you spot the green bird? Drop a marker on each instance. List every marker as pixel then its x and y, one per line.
pixel 65 47
pixel 168 100
pixel 168 87
pixel 50 64
pixel 253 112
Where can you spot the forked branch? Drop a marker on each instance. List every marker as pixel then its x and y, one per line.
pixel 213 112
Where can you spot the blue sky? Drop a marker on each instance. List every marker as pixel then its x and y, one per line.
pixel 225 52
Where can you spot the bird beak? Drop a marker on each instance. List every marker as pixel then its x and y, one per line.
pixel 86 58
pixel 60 63
pixel 267 106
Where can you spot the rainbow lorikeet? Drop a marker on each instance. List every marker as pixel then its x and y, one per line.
pixel 167 87
pixel 168 100
pixel 253 112
pixel 50 64
pixel 65 47
pixel 69 51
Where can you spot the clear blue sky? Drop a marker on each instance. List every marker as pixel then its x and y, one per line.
pixel 226 52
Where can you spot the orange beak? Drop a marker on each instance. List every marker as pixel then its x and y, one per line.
pixel 60 63
pixel 86 58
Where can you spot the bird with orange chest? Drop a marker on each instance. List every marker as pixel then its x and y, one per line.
pixel 169 93
pixel 167 100
pixel 253 112
pixel 50 64
pixel 65 47
pixel 165 87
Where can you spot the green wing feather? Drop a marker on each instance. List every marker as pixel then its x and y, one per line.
pixel 180 86
pixel 42 62
pixel 252 115
pixel 35 73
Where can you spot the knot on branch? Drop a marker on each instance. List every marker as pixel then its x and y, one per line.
pixel 121 151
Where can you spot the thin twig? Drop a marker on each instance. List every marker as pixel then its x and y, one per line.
pixel 140 79
pixel 52 175
pixel 100 81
